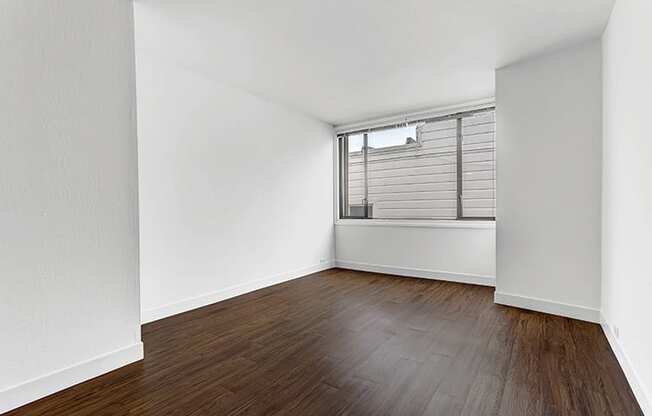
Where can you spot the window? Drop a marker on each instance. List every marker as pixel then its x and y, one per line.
pixel 440 168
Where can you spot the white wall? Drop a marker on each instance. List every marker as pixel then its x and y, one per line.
pixel 236 193
pixel 450 252
pixel 549 125
pixel 627 192
pixel 69 307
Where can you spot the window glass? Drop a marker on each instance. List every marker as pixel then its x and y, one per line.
pixel 392 137
pixel 479 165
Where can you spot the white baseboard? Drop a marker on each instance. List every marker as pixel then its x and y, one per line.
pixel 420 273
pixel 640 392
pixel 548 306
pixel 189 304
pixel 40 387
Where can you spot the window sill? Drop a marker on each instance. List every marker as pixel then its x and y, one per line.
pixel 469 224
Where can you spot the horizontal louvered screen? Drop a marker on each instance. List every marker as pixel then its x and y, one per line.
pixel 405 177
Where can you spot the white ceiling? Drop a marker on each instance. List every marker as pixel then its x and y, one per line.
pixel 349 60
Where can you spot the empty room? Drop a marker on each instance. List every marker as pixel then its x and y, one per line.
pixel 301 207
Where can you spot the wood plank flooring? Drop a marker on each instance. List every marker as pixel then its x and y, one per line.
pixel 352 343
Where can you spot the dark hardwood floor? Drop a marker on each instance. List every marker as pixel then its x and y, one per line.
pixel 352 343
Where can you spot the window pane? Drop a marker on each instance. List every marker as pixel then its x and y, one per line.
pixel 356 184
pixel 355 143
pixel 412 172
pixel 479 165
pixel 392 137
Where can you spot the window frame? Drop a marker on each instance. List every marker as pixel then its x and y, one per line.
pixel 342 173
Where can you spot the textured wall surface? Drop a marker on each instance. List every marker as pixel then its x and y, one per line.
pixel 549 129
pixel 233 189
pixel 627 190
pixel 68 184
